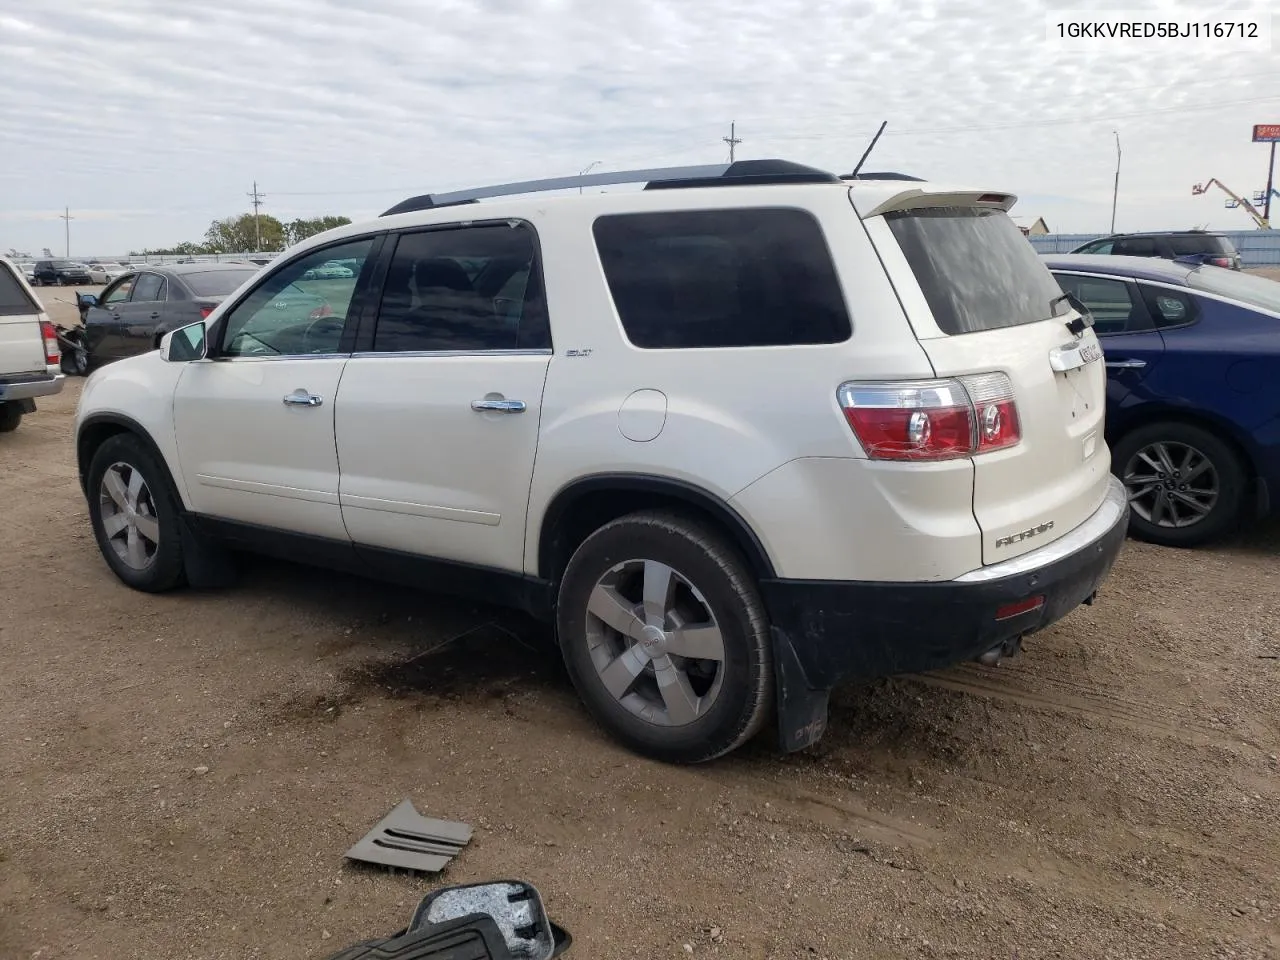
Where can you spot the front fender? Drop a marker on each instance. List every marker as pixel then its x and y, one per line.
pixel 134 394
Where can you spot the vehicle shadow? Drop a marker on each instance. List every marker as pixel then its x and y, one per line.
pixel 407 642
pixel 1259 538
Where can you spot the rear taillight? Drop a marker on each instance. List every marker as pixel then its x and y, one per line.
pixel 932 419
pixel 52 352
pixel 1221 262
pixel 204 312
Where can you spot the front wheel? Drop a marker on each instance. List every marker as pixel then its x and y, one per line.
pixel 135 517
pixel 1186 487
pixel 665 637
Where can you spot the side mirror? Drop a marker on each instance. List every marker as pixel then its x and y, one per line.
pixel 86 300
pixel 184 344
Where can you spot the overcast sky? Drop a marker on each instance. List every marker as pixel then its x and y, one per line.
pixel 149 118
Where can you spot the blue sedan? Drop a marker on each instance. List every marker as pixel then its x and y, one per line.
pixel 1193 389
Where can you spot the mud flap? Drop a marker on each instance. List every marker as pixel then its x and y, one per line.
pixel 802 711
pixel 208 566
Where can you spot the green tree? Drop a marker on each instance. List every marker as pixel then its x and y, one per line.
pixel 239 234
pixel 302 228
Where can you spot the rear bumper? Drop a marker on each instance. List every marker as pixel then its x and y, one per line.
pixel 30 386
pixel 828 631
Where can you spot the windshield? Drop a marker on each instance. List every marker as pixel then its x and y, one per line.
pixel 1245 287
pixel 63 264
pixel 216 283
pixel 976 269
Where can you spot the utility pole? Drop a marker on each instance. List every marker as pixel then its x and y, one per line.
pixel 732 140
pixel 67 218
pixel 1271 179
pixel 1115 191
pixel 258 198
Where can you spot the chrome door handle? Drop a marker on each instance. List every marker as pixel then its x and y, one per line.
pixel 1126 364
pixel 301 398
pixel 498 406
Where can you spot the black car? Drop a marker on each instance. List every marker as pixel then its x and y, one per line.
pixel 136 310
pixel 1169 245
pixel 62 273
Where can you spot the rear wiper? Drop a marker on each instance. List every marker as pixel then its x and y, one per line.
pixel 1080 323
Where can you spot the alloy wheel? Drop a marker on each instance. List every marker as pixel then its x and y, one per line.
pixel 1171 484
pixel 129 520
pixel 655 644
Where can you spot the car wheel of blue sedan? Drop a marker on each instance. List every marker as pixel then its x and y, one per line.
pixel 1186 486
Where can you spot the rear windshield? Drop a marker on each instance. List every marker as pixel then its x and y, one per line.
pixel 14 300
pixel 216 283
pixel 977 270
pixel 1186 245
pixel 1245 287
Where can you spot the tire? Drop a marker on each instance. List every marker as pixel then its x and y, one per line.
pixel 1217 484
pixel 159 565
pixel 725 701
pixel 10 417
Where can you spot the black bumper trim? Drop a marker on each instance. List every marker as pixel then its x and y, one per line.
pixel 829 631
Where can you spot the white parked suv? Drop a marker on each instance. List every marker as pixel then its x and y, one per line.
pixel 746 433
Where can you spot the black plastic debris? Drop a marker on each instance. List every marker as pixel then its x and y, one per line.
pixel 502 920
pixel 407 840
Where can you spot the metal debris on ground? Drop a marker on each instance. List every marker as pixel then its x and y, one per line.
pixel 407 840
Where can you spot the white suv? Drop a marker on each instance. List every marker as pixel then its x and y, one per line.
pixel 743 434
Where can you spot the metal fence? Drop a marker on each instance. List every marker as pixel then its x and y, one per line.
pixel 1258 248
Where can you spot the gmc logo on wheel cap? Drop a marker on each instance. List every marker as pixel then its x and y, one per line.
pixel 1024 535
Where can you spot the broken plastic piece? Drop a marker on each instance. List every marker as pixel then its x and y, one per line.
pixel 407 840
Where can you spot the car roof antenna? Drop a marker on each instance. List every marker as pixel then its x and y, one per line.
pixel 871 146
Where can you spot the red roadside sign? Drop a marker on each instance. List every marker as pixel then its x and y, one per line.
pixel 1266 132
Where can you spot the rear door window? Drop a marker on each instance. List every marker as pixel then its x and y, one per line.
pixel 149 288
pixel 14 300
pixel 976 269
pixel 751 277
pixel 1114 305
pixel 1136 247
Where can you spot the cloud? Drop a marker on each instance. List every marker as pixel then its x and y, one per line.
pixel 174 110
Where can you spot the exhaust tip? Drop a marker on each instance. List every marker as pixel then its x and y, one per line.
pixel 1006 648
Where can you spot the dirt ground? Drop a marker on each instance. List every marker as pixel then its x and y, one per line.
pixel 182 774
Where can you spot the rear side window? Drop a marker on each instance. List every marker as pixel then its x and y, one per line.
pixel 722 278
pixel 150 287
pixel 976 269
pixel 14 300
pixel 1170 308
pixel 1187 245
pixel 467 289
pixel 1136 247
pixel 1110 302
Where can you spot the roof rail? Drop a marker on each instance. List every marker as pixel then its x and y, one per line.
pixel 740 173
pixel 887 175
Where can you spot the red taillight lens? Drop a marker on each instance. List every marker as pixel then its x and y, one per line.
pixel 932 419
pixel 321 311
pixel 995 412
pixel 1017 609
pixel 1220 262
pixel 52 352
pixel 204 312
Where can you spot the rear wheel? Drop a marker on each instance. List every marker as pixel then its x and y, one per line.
pixel 1186 487
pixel 666 639
pixel 10 417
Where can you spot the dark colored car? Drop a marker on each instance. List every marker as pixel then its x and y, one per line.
pixel 132 313
pixel 1170 245
pixel 62 273
pixel 1193 389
